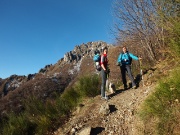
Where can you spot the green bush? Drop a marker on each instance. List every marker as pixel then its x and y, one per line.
pixel 41 114
pixel 163 106
pixel 70 99
pixel 88 86
pixel 18 125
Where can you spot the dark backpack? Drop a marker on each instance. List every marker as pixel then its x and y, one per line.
pixel 97 59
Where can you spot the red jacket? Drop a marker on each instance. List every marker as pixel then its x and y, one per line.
pixel 104 60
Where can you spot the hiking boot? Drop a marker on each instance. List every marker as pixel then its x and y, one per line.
pixel 134 87
pixel 125 88
pixel 106 98
pixel 102 97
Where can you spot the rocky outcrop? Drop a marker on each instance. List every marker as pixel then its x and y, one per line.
pixel 83 50
pixel 45 69
pixel 11 83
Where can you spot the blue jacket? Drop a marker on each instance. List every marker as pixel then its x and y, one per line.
pixel 124 59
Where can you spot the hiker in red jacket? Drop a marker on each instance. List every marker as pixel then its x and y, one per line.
pixel 104 71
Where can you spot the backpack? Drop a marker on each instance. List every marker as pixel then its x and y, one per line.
pixel 97 59
pixel 130 59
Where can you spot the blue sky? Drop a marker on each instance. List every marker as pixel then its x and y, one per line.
pixel 34 33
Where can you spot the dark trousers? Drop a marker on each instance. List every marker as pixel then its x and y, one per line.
pixel 127 69
pixel 103 85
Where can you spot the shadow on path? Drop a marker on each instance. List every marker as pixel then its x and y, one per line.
pixel 117 92
pixel 112 108
pixel 97 130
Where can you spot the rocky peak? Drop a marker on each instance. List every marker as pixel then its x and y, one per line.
pixel 84 49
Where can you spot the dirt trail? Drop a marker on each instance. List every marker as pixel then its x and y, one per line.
pixel 121 120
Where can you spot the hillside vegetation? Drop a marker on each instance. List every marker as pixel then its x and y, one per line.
pixel 160 112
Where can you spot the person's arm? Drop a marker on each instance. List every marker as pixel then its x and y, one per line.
pixel 133 56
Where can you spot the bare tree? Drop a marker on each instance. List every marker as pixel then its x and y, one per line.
pixel 138 20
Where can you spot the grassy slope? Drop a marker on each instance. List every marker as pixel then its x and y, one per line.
pixel 160 111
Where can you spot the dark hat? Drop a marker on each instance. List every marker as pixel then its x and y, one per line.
pixel 96 52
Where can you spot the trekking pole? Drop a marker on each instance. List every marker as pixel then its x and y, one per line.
pixel 141 71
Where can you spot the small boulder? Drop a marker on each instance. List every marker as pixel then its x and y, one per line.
pixel 104 109
pixel 85 131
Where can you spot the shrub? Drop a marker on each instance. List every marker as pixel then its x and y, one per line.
pixel 88 86
pixel 18 125
pixel 40 113
pixel 163 106
pixel 70 99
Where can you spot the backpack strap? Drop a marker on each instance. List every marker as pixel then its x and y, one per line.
pixel 130 58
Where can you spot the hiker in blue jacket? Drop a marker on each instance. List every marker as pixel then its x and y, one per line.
pixel 124 60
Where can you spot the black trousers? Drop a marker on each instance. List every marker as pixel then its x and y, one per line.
pixel 127 69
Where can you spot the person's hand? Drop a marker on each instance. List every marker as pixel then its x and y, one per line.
pixel 107 71
pixel 140 58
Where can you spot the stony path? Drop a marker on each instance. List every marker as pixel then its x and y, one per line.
pixel 120 121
